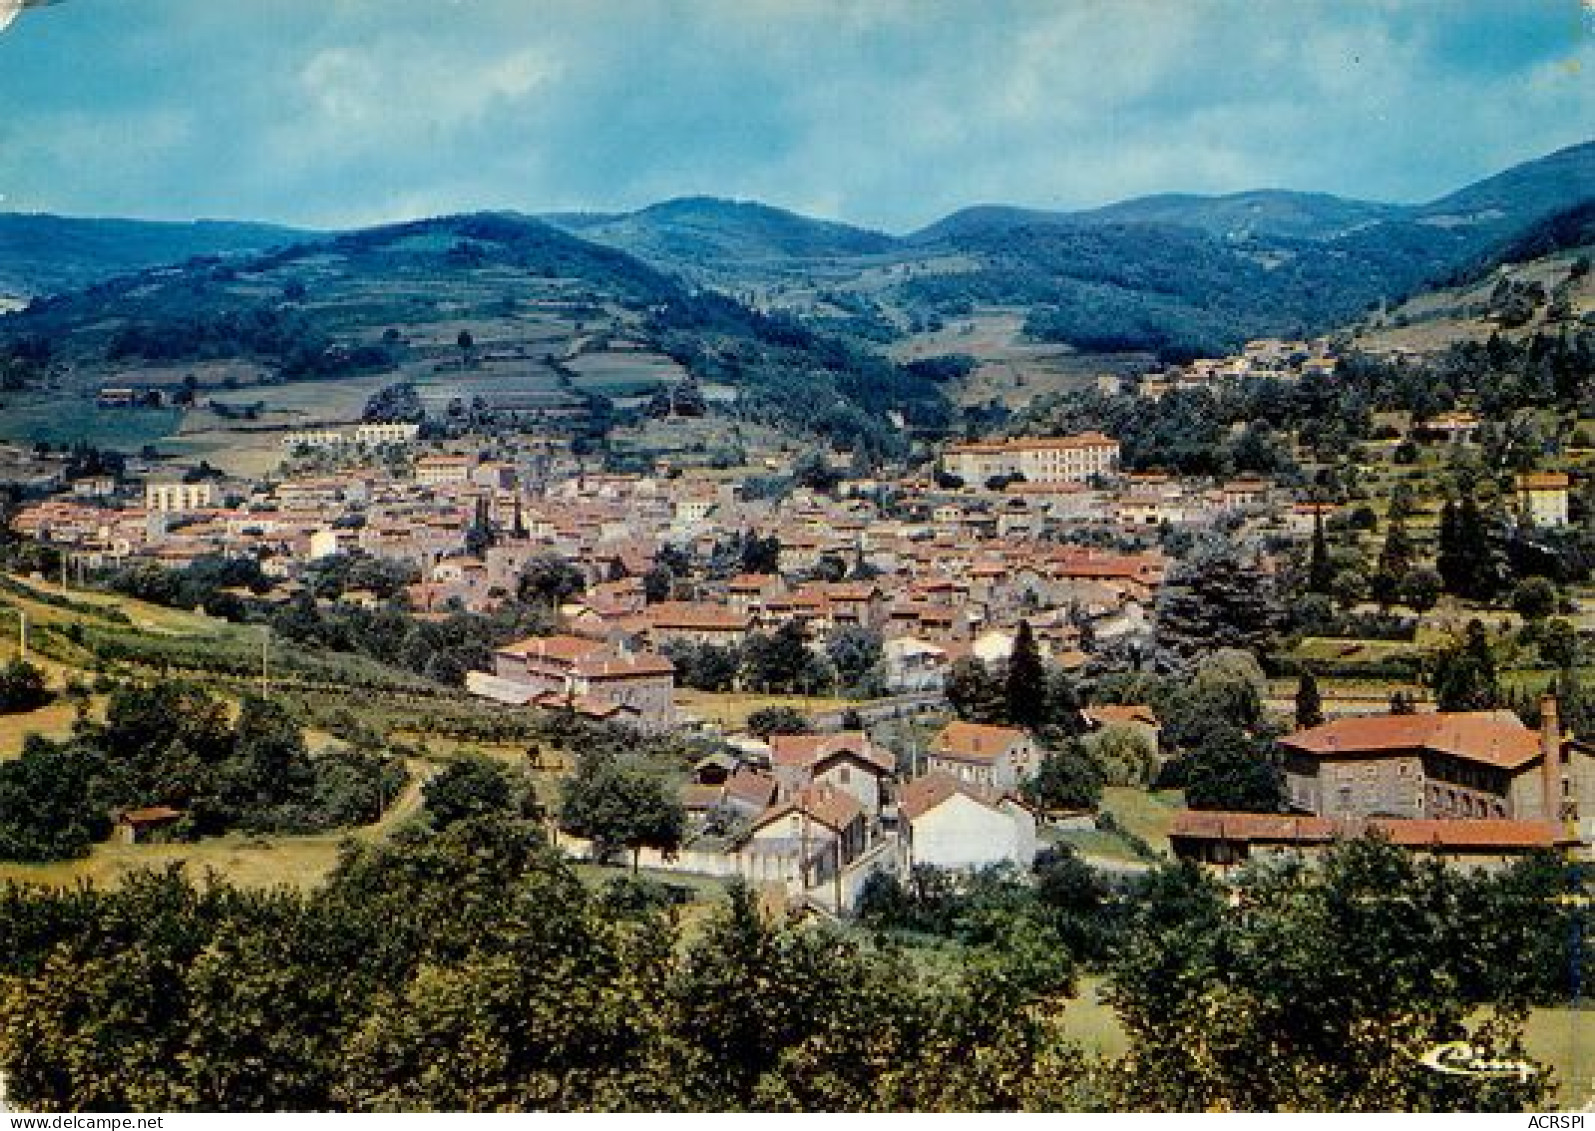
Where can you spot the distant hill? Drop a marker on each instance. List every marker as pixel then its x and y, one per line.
pixel 344 284
pixel 486 313
pixel 1520 195
pixel 1294 215
pixel 1176 274
pixel 983 219
pixel 1185 273
pixel 1266 213
pixel 710 232
pixel 41 254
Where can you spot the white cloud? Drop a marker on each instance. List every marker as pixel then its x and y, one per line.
pixel 887 112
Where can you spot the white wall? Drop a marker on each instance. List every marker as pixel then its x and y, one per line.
pixel 963 833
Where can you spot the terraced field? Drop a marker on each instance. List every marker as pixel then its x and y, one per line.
pixel 618 373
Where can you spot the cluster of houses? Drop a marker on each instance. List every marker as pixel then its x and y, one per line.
pixel 941 569
pixel 1276 359
pixel 817 814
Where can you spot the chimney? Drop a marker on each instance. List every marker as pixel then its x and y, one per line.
pixel 1550 760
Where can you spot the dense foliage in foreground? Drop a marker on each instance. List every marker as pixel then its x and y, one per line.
pixel 465 966
pixel 173 745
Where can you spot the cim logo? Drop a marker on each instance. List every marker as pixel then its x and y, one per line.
pixel 1458 1058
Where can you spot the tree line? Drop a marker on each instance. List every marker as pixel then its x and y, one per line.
pixel 464 966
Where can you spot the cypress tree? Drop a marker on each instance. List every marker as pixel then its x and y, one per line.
pixel 1309 703
pixel 1395 561
pixel 1465 677
pixel 1449 562
pixel 1480 569
pixel 1320 572
pixel 1026 690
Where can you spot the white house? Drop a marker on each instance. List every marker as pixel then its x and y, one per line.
pixel 980 754
pixel 947 823
pixel 914 665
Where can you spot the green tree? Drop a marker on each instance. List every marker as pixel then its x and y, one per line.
pixel 1231 770
pixel 1421 589
pixel 549 580
pixel 1321 989
pixel 782 661
pixel 270 763
pixel 1559 645
pixel 1465 674
pixel 1320 571
pixel 22 687
pixel 975 694
pixel 1219 596
pixel 856 653
pixel 766 721
pixel 1069 778
pixel 1534 598
pixel 1396 558
pixel 1451 558
pixel 471 788
pixel 1025 689
pixel 618 804
pixel 48 808
pixel 1309 703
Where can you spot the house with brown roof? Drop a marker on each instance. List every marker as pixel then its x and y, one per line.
pixel 695 622
pixel 1440 766
pixel 1135 717
pixel 812 836
pixel 1542 498
pixel 947 823
pixel 848 762
pixel 982 754
pixel 584 675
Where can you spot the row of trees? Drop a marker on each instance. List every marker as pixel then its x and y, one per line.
pixel 465 967
pixel 785 662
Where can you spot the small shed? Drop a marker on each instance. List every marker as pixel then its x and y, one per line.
pixel 136 826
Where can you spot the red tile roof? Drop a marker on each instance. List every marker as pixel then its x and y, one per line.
pixel 810 750
pixel 695 615
pixel 609 666
pixel 1491 738
pixel 155 814
pixel 918 797
pixel 566 649
pixel 1108 714
pixel 832 808
pixel 975 742
pixel 1283 828
pixel 751 787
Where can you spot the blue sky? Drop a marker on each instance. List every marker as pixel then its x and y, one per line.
pixel 887 113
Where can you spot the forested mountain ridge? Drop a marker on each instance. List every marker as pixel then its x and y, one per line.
pixel 40 253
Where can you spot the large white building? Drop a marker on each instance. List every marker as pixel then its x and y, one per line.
pixel 373 435
pixel 175 496
pixel 379 434
pixel 1058 459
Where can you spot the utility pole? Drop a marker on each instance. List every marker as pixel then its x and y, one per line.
pixel 22 633
pixel 836 880
pixel 265 648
